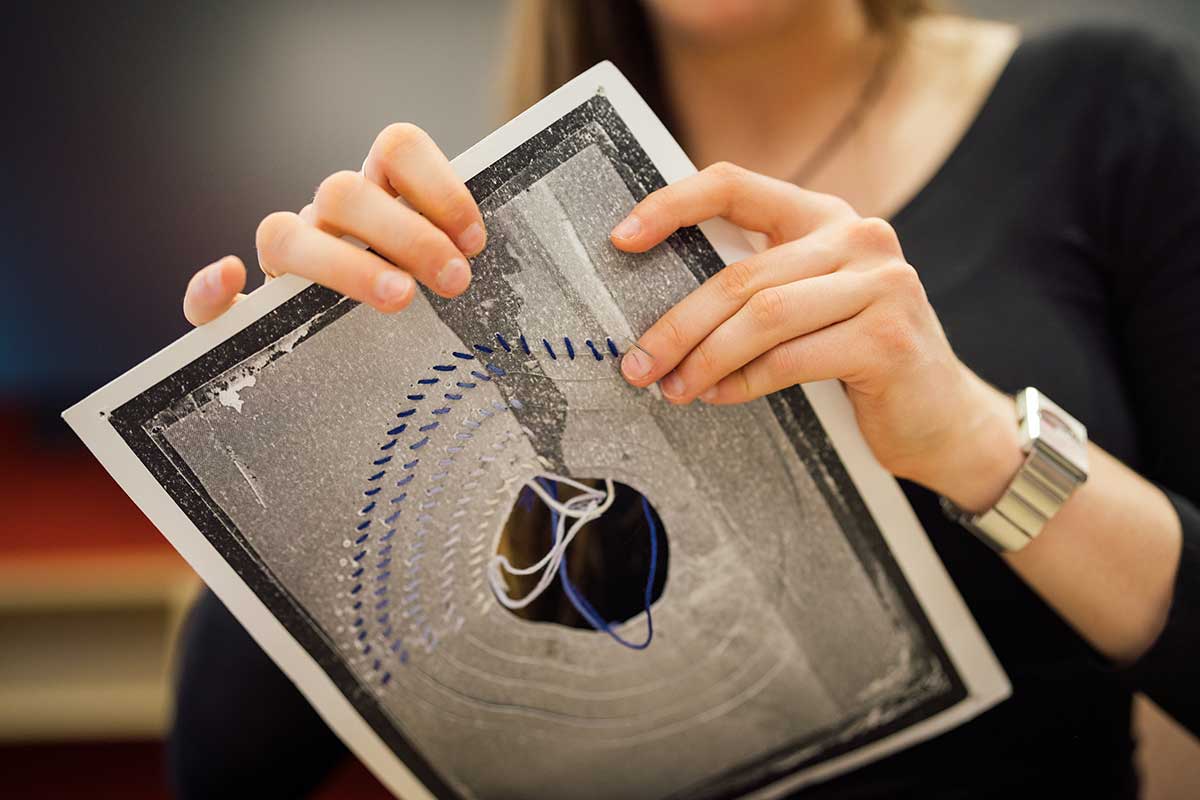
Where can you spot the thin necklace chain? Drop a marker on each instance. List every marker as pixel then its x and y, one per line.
pixel 846 127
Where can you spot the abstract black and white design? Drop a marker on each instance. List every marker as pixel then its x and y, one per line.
pixel 355 471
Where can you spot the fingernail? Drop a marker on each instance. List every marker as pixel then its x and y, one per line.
pixel 454 277
pixel 636 364
pixel 627 228
pixel 709 394
pixel 472 240
pixel 212 282
pixel 672 385
pixel 391 287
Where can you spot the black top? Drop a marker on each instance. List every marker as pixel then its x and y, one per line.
pixel 1060 246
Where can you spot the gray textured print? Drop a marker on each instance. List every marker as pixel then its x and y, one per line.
pixel 772 638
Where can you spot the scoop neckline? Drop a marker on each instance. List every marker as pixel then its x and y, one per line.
pixel 967 141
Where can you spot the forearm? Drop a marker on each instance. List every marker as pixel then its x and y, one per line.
pixel 1106 561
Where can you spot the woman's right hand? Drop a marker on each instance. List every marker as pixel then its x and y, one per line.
pixel 429 242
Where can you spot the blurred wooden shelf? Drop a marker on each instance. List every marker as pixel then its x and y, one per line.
pixel 86 642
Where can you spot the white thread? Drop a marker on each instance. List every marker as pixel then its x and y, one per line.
pixel 583 508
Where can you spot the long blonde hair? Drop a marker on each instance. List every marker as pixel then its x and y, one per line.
pixel 552 41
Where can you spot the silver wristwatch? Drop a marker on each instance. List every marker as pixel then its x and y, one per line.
pixel 1056 464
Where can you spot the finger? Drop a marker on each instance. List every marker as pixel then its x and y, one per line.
pixel 212 290
pixel 684 326
pixel 756 202
pixel 347 202
pixel 406 162
pixel 837 352
pixel 772 316
pixel 287 243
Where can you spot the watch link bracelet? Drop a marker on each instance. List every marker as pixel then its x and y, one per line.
pixel 1055 444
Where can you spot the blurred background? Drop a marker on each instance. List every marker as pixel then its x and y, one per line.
pixel 141 141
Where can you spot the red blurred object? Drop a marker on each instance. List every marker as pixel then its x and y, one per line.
pixel 56 497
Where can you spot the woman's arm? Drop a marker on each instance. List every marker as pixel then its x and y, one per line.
pixel 833 298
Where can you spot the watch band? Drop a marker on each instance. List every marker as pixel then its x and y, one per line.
pixel 1055 465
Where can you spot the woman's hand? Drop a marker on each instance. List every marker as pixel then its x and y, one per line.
pixel 429 242
pixel 833 297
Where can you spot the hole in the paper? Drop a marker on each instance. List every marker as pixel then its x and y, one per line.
pixel 608 561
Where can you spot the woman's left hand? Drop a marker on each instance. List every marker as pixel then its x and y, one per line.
pixel 833 297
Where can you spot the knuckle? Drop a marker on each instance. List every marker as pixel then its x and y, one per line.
pixel 724 170
pixel 672 332
pixel 767 307
pixel 735 281
pixel 875 235
pixel 454 207
pixel 894 336
pixel 274 234
pixel 401 138
pixel 705 357
pixel 335 193
pixel 902 281
pixel 783 360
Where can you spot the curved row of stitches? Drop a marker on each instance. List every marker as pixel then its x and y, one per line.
pixel 375 564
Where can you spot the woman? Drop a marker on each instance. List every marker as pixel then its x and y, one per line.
pixel 1044 192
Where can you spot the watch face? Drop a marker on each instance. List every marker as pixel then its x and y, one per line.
pixel 1060 432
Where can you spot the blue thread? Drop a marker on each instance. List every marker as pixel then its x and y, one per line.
pixel 373 492
pixel 412 463
pixel 595 352
pixel 483 348
pixel 388 535
pixel 570 348
pixel 503 343
pixel 442 410
pixel 389 445
pixel 415 397
pixel 463 356
pixel 357 572
pixel 452 396
pixel 379 462
pixel 588 612
pixel 362 538
pixel 525 345
pixel 427 381
pixel 360 555
pixel 367 508
pixel 366 651
pixel 358 622
pixel 549 349
pixel 431 426
pixel 391 518
pixel 419 444
pixel 407 413
pixel 498 371
pixel 466 385
pixel 357 605
pixel 387 676
pixel 612 348
pixel 357 588
pixel 399 498
pixel 407 479
pixel 481 376
pixel 362 526
pixel 378 475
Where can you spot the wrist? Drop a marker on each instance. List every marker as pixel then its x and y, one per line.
pixel 980 458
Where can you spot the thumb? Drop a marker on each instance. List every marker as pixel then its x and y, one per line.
pixel 212 290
